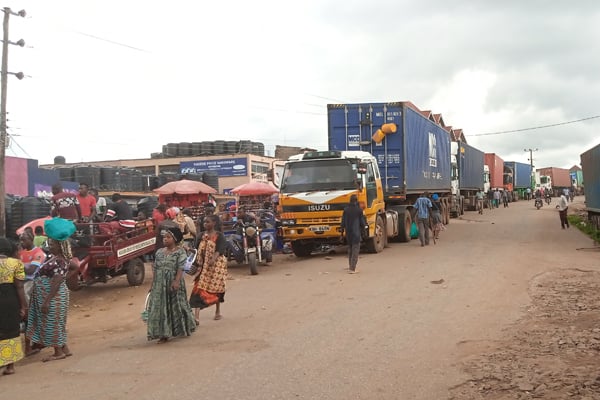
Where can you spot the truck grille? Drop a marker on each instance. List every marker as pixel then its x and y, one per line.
pixel 327 220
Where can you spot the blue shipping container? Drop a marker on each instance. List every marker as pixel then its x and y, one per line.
pixel 414 159
pixel 590 164
pixel 470 167
pixel 521 174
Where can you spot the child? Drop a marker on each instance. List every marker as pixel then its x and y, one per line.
pixel 39 238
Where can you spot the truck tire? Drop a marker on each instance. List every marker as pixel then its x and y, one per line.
pixel 462 206
pixel 376 243
pixel 445 213
pixel 404 222
pixel 300 249
pixel 252 263
pixel 136 271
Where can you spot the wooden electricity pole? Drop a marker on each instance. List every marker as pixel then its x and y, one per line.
pixel 3 88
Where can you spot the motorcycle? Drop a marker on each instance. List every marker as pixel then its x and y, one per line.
pixel 250 245
pixel 548 199
pixel 538 203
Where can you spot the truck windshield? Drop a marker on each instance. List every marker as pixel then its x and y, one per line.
pixel 304 176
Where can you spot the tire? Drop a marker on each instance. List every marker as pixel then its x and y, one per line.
pixel 136 271
pixel 300 249
pixel 445 213
pixel 462 206
pixel 268 256
pixel 252 263
pixel 377 242
pixel 404 222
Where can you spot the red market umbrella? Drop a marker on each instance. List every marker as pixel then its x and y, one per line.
pixel 185 186
pixel 33 224
pixel 254 189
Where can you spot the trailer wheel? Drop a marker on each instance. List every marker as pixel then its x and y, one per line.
pixel 136 271
pixel 404 222
pixel 462 206
pixel 300 249
pixel 377 242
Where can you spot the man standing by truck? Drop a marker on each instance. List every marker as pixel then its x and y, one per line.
pixel 423 206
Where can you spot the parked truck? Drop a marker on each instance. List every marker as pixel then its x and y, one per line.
pixel 560 178
pixel 388 154
pixel 468 176
pixel 496 167
pixel 517 178
pixel 590 164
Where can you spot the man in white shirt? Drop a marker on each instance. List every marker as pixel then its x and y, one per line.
pixel 562 211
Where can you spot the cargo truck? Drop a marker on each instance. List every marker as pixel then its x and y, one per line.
pixel 468 176
pixel 517 178
pixel 496 167
pixel 386 153
pixel 590 165
pixel 560 178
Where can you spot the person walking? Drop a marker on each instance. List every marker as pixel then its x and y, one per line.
pixel 563 208
pixel 497 198
pixel 209 284
pixel 169 314
pixel 49 302
pixel 423 206
pixel 353 222
pixel 13 306
pixel 505 198
pixel 479 197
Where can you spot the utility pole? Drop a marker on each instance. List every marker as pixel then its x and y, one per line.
pixel 3 135
pixel 532 183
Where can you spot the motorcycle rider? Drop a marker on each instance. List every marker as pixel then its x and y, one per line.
pixel 245 216
pixel 538 197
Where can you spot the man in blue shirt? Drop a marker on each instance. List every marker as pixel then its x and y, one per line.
pixel 423 206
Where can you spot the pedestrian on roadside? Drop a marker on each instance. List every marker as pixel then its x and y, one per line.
pixel 169 314
pixel 64 204
pixel 87 203
pixel 563 208
pixel 528 194
pixel 497 198
pixel 423 206
pixel 209 284
pixel 490 199
pixel 13 306
pixel 505 198
pixel 479 197
pixel 49 302
pixel 436 216
pixel 353 222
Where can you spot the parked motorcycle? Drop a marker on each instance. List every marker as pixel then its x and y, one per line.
pixel 538 203
pixel 249 245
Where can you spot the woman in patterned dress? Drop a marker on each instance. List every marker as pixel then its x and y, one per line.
pixel 49 303
pixel 13 306
pixel 209 284
pixel 169 314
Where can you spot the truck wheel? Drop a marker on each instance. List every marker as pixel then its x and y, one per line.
pixel 462 206
pixel 300 249
pixel 136 271
pixel 252 263
pixel 404 222
pixel 377 242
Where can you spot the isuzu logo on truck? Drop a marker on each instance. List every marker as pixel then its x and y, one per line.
pixel 319 207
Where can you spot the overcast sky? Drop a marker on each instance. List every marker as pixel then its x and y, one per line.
pixel 118 79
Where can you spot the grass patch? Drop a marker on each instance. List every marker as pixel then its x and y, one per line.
pixel 584 226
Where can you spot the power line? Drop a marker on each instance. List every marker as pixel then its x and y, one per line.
pixel 111 41
pixel 535 127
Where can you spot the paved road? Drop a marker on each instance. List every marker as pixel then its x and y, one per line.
pixel 304 329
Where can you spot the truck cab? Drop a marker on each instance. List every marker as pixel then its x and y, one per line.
pixel 315 189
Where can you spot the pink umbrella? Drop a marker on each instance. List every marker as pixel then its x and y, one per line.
pixel 254 189
pixel 185 186
pixel 33 224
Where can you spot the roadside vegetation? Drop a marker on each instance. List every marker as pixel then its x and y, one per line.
pixel 583 225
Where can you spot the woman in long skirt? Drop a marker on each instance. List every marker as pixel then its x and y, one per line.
pixel 169 314
pixel 209 284
pixel 12 306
